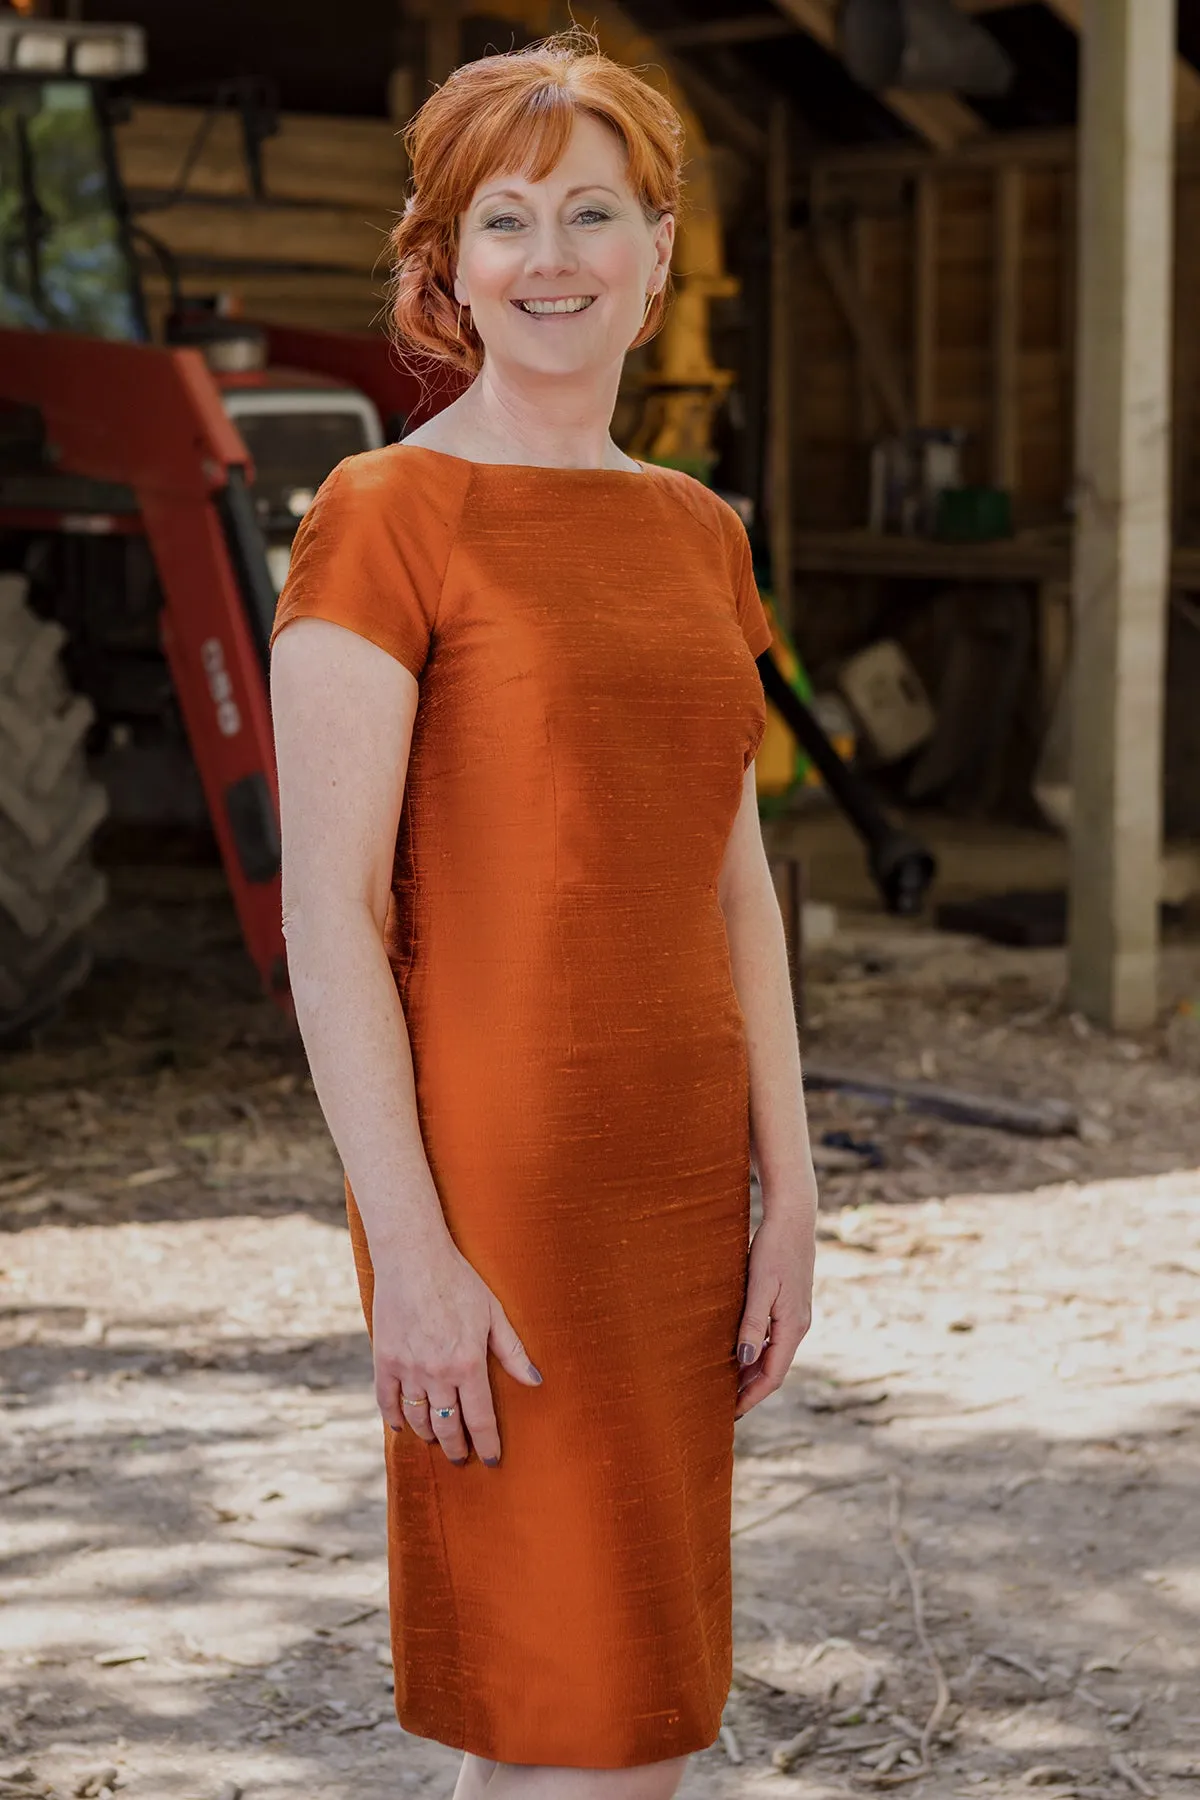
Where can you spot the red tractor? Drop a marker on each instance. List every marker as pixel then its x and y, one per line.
pixel 148 498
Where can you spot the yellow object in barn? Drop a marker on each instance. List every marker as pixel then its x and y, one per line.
pixel 781 767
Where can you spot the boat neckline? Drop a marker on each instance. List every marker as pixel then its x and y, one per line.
pixel 643 469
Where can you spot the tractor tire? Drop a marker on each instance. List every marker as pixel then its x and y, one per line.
pixel 49 812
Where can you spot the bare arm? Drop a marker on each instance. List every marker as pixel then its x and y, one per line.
pixel 343 714
pixel 779 1289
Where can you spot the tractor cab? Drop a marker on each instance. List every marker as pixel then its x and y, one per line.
pixel 68 263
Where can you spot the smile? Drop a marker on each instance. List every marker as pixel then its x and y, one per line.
pixel 540 308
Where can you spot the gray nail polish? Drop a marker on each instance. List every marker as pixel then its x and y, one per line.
pixel 533 1372
pixel 492 1462
pixel 746 1353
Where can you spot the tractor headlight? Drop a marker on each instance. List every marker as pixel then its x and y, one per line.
pixel 98 57
pixel 40 53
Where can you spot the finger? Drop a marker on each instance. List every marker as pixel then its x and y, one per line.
pixel 414 1403
pixel 767 1375
pixel 479 1417
pixel 387 1398
pixel 756 1322
pixel 509 1351
pixel 749 1388
pixel 445 1415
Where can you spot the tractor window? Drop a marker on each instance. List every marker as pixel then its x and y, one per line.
pixel 64 264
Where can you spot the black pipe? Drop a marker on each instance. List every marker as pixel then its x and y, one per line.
pixel 901 867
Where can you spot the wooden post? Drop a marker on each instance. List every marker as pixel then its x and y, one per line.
pixel 1006 317
pixel 924 299
pixel 782 327
pixel 862 241
pixel 1122 490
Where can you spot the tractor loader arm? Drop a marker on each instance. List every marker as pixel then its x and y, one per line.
pixel 150 420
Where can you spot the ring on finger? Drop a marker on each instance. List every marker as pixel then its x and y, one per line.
pixel 443 1412
pixel 414 1400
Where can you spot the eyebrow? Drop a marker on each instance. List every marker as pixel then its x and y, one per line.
pixel 588 187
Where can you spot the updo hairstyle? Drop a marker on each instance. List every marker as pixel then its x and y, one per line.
pixel 514 113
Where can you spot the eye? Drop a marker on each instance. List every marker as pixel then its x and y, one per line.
pixel 591 215
pixel 502 222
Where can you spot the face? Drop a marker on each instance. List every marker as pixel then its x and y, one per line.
pixel 557 272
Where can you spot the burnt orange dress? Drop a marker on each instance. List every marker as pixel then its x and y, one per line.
pixel 584 642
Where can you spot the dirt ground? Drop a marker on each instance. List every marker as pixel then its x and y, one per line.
pixel 966 1534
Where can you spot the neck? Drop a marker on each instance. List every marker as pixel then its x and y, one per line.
pixel 549 421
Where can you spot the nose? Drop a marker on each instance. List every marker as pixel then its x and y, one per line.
pixel 550 250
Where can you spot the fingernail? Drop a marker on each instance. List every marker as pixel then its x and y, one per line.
pixel 492 1461
pixel 746 1353
pixel 533 1373
pixel 460 1462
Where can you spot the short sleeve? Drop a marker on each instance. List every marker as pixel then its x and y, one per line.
pixel 372 557
pixel 752 615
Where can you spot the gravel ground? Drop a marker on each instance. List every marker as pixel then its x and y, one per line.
pixel 966 1546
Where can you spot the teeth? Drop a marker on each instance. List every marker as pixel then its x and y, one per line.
pixel 556 306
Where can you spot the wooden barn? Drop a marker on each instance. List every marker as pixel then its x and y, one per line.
pixel 934 321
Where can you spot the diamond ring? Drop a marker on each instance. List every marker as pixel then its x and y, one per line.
pixel 443 1412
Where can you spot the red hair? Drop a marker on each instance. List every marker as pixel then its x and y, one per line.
pixel 505 114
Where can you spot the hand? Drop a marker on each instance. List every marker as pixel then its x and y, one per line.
pixel 778 1309
pixel 434 1320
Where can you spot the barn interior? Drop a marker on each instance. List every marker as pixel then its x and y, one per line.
pixel 875 347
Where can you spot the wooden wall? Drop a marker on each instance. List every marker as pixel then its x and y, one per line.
pixel 940 291
pixel 309 252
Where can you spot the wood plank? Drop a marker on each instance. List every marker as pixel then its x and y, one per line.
pixel 1006 328
pixel 1186 304
pixel 323 237
pixel 331 302
pixel 756 28
pixel 350 162
pixel 1026 558
pixel 862 241
pixel 864 327
pixel 925 299
pixel 941 119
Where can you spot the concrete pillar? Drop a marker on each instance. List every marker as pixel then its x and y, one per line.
pixel 1122 490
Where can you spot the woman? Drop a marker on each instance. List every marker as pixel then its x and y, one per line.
pixel 537 959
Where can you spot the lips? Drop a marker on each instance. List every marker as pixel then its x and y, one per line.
pixel 545 309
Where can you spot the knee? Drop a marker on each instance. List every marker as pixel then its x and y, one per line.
pixel 653 1781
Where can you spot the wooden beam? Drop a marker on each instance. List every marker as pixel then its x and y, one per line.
pixel 1122 496
pixel 924 299
pixel 781 387
pixel 756 29
pixel 941 119
pixel 865 328
pixel 1009 202
pixel 718 114
pixel 1187 79
pixel 1033 149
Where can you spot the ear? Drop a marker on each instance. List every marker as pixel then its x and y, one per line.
pixel 664 243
